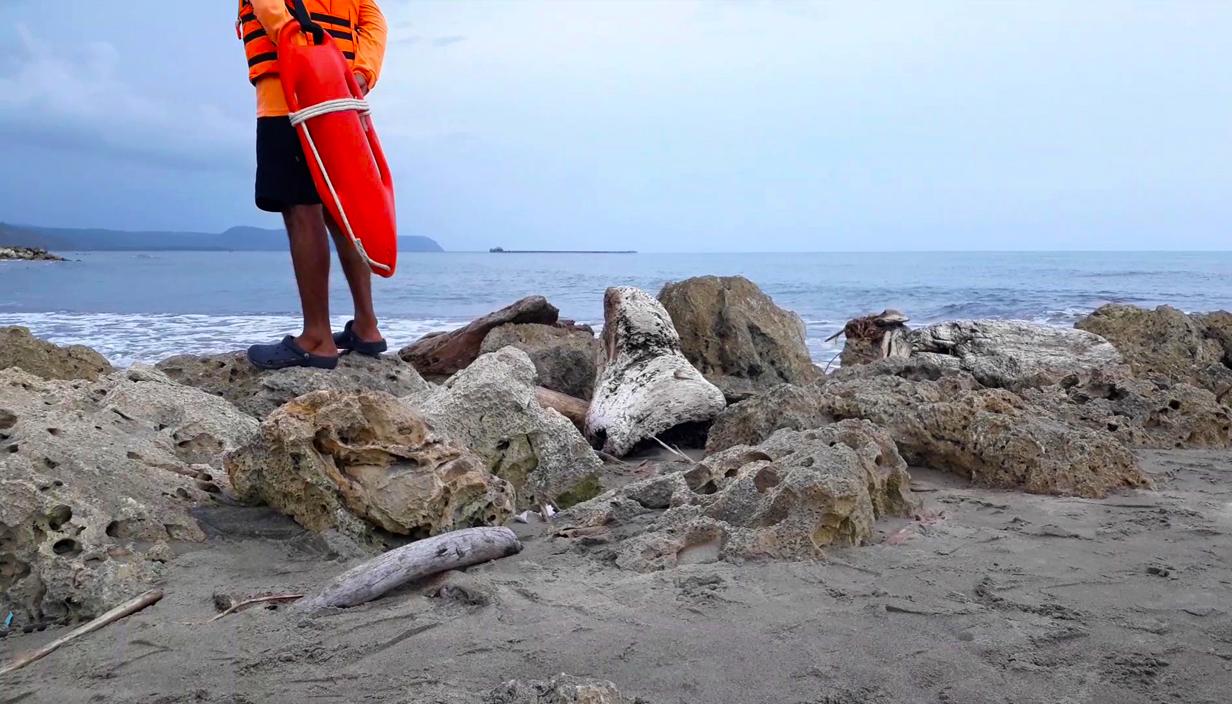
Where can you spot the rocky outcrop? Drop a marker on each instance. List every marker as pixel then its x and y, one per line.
pixel 1149 414
pixel 566 357
pixel 363 462
pixel 990 436
pixel 491 407
pixel 872 338
pixel 18 348
pixel 1167 344
pixel 97 478
pixel 646 387
pixel 562 689
pixel 735 335
pixel 445 353
pixel 788 498
pixel 259 392
pixel 1013 355
pixel 27 254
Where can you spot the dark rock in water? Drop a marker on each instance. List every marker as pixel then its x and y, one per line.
pixel 1013 355
pixel 647 386
pixel 259 392
pixel 363 462
pixel 491 408
pixel 736 336
pixel 27 254
pixel 97 478
pixel 566 357
pixel 445 353
pixel 18 348
pixel 991 436
pixel 789 497
pixel 1167 344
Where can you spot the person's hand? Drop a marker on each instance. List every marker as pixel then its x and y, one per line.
pixel 363 83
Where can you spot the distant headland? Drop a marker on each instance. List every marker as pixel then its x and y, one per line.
pixel 236 239
pixel 502 250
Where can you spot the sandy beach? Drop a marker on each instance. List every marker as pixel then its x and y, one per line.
pixel 1005 597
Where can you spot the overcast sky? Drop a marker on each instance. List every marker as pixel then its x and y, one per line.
pixel 665 126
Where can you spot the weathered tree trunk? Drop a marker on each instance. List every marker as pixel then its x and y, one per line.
pixel 445 353
pixel 449 551
pixel 572 408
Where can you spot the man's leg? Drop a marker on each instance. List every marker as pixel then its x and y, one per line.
pixel 359 278
pixel 310 255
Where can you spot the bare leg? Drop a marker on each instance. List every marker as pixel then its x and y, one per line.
pixel 359 278
pixel 310 255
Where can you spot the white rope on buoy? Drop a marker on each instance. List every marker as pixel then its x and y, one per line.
pixel 300 118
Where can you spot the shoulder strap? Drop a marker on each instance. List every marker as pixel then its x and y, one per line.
pixel 300 12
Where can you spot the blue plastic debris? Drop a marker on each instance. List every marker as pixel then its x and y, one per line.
pixel 8 620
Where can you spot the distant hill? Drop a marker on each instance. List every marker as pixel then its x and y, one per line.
pixel 237 239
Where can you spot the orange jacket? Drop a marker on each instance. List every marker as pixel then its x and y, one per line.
pixel 367 34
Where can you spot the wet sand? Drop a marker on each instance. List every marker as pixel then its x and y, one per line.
pixel 1000 597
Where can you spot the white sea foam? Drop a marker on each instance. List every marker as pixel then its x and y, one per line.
pixel 127 338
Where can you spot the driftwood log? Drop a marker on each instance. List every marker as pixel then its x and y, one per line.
pixel 572 408
pixel 128 608
pixel 446 353
pixel 423 558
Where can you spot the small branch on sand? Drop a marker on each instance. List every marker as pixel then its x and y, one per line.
pixel 126 609
pixel 239 606
pixel 449 551
pixel 674 450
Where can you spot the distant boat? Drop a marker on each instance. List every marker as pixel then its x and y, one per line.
pixel 502 250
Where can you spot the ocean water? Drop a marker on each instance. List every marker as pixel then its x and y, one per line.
pixel 144 306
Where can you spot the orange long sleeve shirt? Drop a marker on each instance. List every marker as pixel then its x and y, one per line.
pixel 370 37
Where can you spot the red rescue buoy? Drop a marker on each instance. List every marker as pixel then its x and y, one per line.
pixel 340 144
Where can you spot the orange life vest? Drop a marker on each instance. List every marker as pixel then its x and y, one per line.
pixel 338 17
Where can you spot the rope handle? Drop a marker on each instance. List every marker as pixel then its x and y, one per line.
pixel 330 106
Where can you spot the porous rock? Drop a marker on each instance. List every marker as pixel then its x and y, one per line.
pixel 1142 413
pixel 561 689
pixel 1167 344
pixel 97 477
pixel 646 386
pixel 491 408
pixel 446 353
pixel 990 436
pixel 566 357
pixel 363 462
pixel 258 392
pixel 18 348
pixel 789 497
pixel 1014 355
pixel 736 336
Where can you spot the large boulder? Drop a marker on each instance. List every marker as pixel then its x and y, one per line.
pixel 18 348
pixel 789 497
pixel 258 392
pixel 566 357
pixel 990 436
pixel 491 408
pixel 1167 344
pixel 446 353
pixel 1014 355
pixel 365 462
pixel 646 386
pixel 736 336
pixel 97 478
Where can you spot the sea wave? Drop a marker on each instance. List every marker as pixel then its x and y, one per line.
pixel 125 339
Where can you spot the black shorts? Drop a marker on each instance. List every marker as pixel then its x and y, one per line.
pixel 283 179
